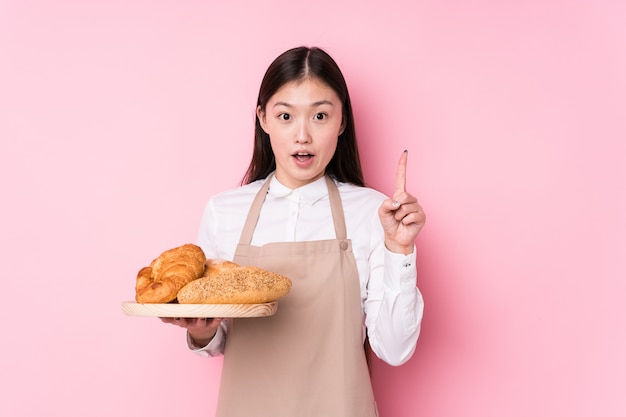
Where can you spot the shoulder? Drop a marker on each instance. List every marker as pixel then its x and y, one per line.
pixel 351 190
pixel 360 206
pixel 237 196
pixel 364 197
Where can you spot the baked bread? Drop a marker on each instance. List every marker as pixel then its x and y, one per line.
pixel 168 273
pixel 215 267
pixel 228 284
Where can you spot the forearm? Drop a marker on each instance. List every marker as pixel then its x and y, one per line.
pixel 394 309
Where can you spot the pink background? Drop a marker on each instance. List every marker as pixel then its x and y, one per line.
pixel 118 120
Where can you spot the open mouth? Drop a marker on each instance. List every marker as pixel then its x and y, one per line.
pixel 302 156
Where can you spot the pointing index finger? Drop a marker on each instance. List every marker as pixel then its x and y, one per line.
pixel 401 174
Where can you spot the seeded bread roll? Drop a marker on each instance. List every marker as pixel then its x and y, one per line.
pixel 235 285
pixel 168 273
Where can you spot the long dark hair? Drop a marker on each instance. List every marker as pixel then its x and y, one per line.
pixel 294 65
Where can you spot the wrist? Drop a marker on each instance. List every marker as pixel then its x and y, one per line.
pixel 401 249
pixel 202 339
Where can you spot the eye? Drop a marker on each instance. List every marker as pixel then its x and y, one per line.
pixel 284 116
pixel 321 116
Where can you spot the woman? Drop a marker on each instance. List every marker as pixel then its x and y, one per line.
pixel 303 211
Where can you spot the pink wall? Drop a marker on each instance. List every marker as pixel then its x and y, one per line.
pixel 119 119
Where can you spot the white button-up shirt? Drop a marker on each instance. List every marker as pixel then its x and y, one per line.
pixel 392 303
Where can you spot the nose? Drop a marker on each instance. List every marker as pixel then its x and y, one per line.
pixel 302 133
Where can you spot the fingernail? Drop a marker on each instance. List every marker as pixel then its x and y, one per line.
pixel 396 204
pixel 406 150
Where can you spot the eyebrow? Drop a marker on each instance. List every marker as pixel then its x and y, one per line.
pixel 315 104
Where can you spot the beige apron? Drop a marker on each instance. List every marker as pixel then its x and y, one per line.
pixel 308 359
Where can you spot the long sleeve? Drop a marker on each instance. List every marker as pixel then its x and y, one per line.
pixel 394 307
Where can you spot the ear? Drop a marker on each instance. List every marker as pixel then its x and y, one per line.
pixel 260 114
pixel 342 127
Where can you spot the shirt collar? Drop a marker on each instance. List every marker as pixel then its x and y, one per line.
pixel 311 193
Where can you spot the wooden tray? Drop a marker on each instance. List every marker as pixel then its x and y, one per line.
pixel 131 308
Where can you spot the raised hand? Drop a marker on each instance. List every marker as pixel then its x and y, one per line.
pixel 401 216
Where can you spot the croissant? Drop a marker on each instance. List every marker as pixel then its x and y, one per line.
pixel 231 284
pixel 168 273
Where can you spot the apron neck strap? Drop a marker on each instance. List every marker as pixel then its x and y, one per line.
pixel 255 209
pixel 337 209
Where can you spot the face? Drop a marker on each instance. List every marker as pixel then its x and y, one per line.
pixel 303 120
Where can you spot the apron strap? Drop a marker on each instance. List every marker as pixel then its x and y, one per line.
pixel 255 209
pixel 253 213
pixel 337 209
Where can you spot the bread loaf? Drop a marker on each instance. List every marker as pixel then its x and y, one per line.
pixel 215 267
pixel 168 273
pixel 231 284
